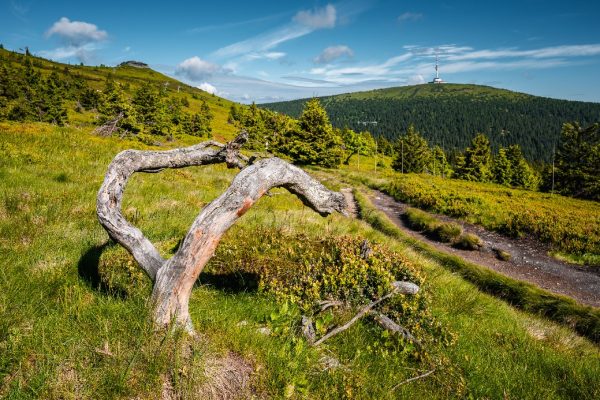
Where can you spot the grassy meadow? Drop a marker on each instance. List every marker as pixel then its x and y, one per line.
pixel 74 307
pixel 570 226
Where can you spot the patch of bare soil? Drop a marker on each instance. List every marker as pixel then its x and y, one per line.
pixel 352 209
pixel 529 259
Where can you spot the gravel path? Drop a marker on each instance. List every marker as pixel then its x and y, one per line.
pixel 529 258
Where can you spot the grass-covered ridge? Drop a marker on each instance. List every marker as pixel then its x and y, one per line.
pixel 76 78
pixel 68 330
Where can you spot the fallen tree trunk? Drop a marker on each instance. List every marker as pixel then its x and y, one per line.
pixel 174 278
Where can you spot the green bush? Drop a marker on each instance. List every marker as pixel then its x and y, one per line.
pixel 420 220
pixel 502 255
pixel 469 241
pixel 448 232
pixel 302 271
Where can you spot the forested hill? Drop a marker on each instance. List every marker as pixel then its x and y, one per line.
pixel 131 97
pixel 451 114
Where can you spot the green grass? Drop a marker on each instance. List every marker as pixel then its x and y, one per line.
pixel 132 78
pixel 570 226
pixel 584 319
pixel 57 316
pixel 447 232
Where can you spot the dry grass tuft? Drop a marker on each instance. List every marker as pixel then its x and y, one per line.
pixel 227 378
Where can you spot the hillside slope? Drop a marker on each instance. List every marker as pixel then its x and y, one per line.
pixel 451 114
pixel 75 78
pixel 73 307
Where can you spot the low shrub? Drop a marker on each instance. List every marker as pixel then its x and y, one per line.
pixel 302 271
pixel 469 241
pixel 420 220
pixel 447 232
pixel 502 255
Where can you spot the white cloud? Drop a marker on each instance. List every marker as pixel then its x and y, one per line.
pixel 545 52
pixel 303 23
pixel 76 33
pixel 79 40
pixel 84 53
pixel 333 53
pixel 409 16
pixel 196 69
pixel 207 87
pixel 271 55
pixel 317 18
pixel 416 64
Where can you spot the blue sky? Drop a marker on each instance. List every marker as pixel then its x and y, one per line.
pixel 278 50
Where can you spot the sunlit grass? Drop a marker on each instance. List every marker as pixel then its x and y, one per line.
pixel 63 335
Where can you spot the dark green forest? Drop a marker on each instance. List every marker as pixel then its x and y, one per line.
pixel 450 115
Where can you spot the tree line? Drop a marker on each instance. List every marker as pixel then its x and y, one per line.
pixel 308 140
pixel 451 120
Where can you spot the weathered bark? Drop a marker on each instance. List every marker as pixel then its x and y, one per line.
pixel 174 278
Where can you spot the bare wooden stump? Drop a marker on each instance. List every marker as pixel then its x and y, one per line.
pixel 174 278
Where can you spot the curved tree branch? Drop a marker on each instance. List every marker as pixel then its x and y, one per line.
pixel 174 278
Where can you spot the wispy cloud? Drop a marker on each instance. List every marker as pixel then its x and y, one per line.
pixel 85 53
pixel 318 18
pixel 333 53
pixel 416 62
pixel 303 23
pixel 230 25
pixel 409 16
pixel 270 55
pixel 545 52
pixel 79 39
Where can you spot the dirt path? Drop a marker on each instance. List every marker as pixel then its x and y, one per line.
pixel 352 210
pixel 529 260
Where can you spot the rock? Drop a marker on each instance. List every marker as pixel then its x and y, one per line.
pixel 131 63
pixel 264 330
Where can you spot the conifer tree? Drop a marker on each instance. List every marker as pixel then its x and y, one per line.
pixel 414 154
pixel 439 165
pixel 206 117
pixel 313 140
pixel 115 110
pixel 150 109
pixel 476 164
pixel 502 170
pixel 577 171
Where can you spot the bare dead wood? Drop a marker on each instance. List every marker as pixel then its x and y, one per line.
pixel 388 324
pixel 308 329
pixel 400 287
pixel 110 126
pixel 326 304
pixel 426 374
pixel 365 250
pixel 174 278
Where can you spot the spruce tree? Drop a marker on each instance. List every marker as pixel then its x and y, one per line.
pixel 439 165
pixel 502 170
pixel 313 140
pixel 114 108
pixel 150 109
pixel 577 171
pixel 414 154
pixel 476 164
pixel 206 117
